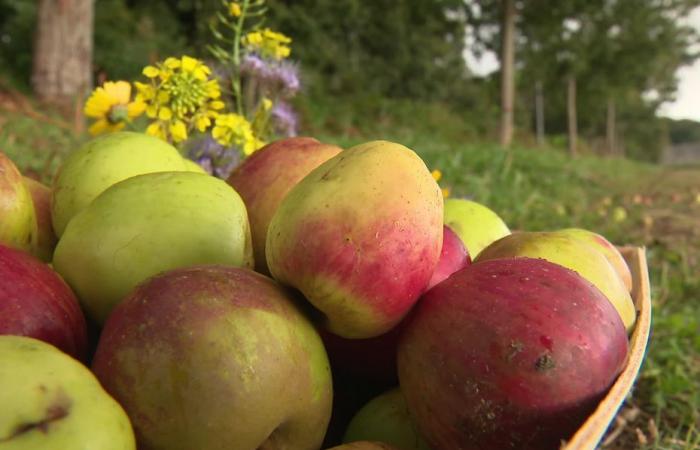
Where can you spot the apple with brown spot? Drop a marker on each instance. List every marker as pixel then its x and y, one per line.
pixel 508 353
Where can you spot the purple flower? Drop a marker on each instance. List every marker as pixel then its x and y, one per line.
pixel 214 158
pixel 256 67
pixel 284 119
pixel 286 76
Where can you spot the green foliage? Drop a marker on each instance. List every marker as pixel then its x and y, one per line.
pixel 127 38
pixel 681 131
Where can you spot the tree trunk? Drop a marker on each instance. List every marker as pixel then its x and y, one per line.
pixel 507 74
pixel 62 60
pixel 539 113
pixel 571 113
pixel 610 128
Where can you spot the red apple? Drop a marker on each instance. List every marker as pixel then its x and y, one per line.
pixel 508 353
pixel 454 256
pixel 36 302
pixel 265 178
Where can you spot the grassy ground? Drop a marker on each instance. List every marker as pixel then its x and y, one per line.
pixel 532 189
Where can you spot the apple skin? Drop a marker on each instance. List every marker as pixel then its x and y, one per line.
pixel 365 445
pixel 51 401
pixel 572 253
pixel 611 253
pixel 148 224
pixel 360 237
pixel 213 357
pixel 46 238
pixel 508 353
pixel 102 162
pixel 385 418
pixel 18 227
pixel 36 302
pixel 453 257
pixel 265 178
pixel 475 224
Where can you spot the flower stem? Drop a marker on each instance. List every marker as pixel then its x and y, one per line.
pixel 236 78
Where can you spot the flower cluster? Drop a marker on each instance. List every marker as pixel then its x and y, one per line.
pixel 234 130
pixel 183 101
pixel 268 44
pixel 111 105
pixel 180 96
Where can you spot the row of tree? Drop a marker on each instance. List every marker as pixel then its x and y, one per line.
pixel 595 68
pixel 622 54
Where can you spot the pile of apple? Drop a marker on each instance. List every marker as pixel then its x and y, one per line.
pixel 131 316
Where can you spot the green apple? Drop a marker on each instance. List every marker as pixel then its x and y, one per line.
pixel 360 236
pixel 51 401
pixel 475 224
pixel 146 225
pixel 386 419
pixel 572 253
pixel 215 357
pixel 102 162
pixel 18 227
pixel 610 252
pixel 265 178
pixel 46 238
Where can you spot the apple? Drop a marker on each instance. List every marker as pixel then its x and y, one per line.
pixel 611 253
pixel 360 236
pixel 148 224
pixel 508 353
pixel 51 401
pixel 475 224
pixel 36 302
pixel 18 227
pixel 265 178
pixel 454 256
pixel 365 445
pixel 572 253
pixel 216 357
pixel 41 199
pixel 100 163
pixel 386 419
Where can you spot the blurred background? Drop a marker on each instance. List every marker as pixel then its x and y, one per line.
pixel 553 113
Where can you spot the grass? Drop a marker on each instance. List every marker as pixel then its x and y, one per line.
pixel 532 189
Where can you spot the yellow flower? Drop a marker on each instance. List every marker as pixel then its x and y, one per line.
pixel 234 130
pixel 436 174
pixel 445 192
pixel 268 43
pixel 110 104
pixel 234 9
pixel 179 97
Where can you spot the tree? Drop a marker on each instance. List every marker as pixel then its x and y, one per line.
pixel 507 71
pixel 62 59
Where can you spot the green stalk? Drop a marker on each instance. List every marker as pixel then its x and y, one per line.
pixel 236 79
